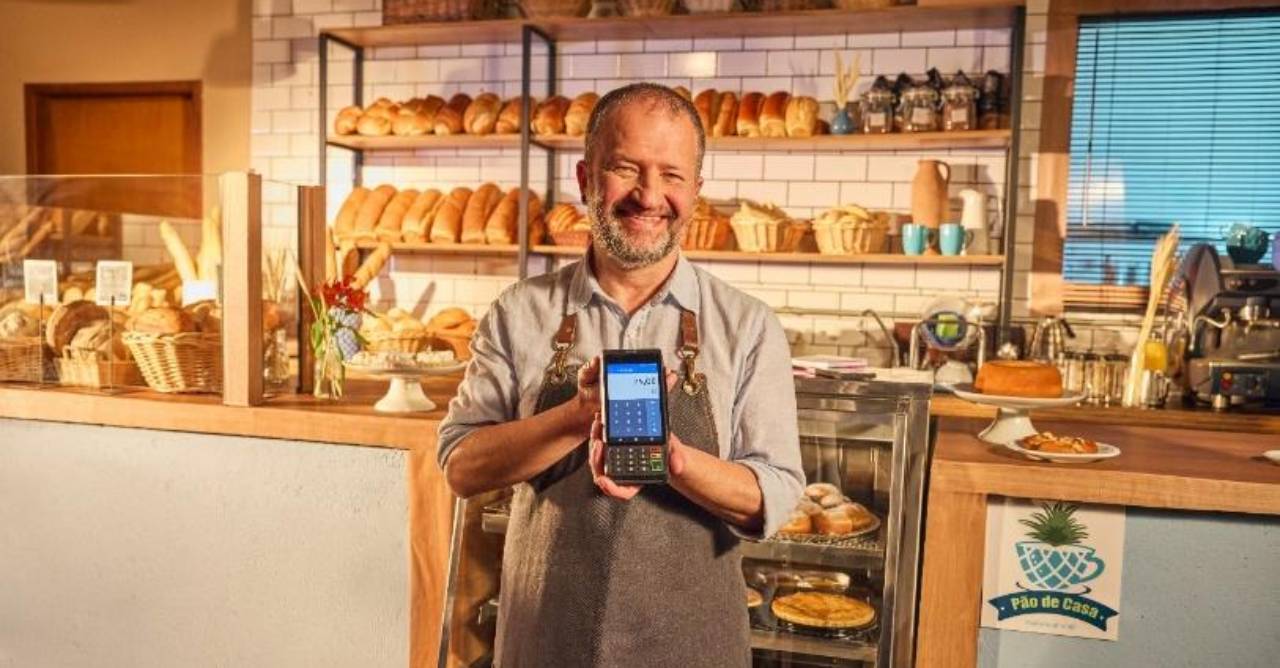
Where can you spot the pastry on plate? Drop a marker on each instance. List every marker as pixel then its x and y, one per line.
pixel 799 523
pixel 754 599
pixel 818 490
pixel 823 610
pixel 1046 441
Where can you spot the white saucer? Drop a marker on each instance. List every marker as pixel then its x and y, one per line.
pixel 1105 451
pixel 1273 455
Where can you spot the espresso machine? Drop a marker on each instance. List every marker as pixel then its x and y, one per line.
pixel 1223 331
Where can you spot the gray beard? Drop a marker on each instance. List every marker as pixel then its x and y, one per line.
pixel 607 231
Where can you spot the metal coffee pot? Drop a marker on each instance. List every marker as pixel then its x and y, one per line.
pixel 1049 341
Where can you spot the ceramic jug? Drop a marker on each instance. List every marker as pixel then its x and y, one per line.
pixel 973 218
pixel 929 193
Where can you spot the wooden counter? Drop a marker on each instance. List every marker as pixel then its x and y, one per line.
pixel 1158 468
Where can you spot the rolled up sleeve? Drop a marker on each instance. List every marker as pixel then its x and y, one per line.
pixel 488 394
pixel 765 434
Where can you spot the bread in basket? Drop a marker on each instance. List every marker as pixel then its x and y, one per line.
pixel 851 230
pixel 766 228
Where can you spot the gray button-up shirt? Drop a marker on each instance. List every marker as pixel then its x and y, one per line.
pixel 743 352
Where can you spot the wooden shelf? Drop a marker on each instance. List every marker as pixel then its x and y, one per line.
pixel 813 258
pixel 981 139
pixel 980 15
pixel 407 248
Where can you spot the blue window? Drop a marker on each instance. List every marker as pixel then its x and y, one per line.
pixel 1175 120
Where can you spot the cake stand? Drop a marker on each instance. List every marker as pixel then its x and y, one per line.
pixel 404 391
pixel 1013 419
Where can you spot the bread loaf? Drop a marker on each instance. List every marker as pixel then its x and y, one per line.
pixel 371 266
pixel 345 123
pixel 479 206
pixel 388 228
pixel 448 120
pixel 417 221
pixel 344 226
pixel 482 114
pixel 429 106
pixel 773 115
pixel 707 103
pixel 370 211
pixel 749 115
pixel 509 117
pixel 500 228
pixel 68 319
pixel 411 124
pixel 347 259
pixel 579 113
pixel 447 226
pixel 373 126
pixel 802 116
pixel 726 124
pixel 163 321
pixel 449 318
pixel 549 117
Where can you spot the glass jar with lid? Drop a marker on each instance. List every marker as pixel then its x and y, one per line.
pixel 959 107
pixel 920 109
pixel 877 111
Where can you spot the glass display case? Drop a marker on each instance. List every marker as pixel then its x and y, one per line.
pixel 864 446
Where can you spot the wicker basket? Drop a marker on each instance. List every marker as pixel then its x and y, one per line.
pixel 20 359
pixel 707 234
pixel 772 236
pixel 178 362
pixel 419 11
pixel 708 6
pixel 83 368
pixel 578 238
pixel 541 9
pixel 646 7
pixel 396 342
pixel 848 237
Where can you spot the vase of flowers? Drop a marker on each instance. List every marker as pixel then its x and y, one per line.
pixel 335 333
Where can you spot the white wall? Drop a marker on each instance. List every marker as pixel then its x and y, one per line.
pixel 128 547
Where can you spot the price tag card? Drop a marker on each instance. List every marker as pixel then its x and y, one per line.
pixel 198 291
pixel 40 279
pixel 114 282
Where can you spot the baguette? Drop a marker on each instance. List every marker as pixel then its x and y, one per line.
pixel 347 259
pixel 509 117
pixel 181 256
pixel 749 115
pixel 579 113
pixel 482 114
pixel 480 206
pixel 448 120
pixel 344 226
pixel 549 117
pixel 802 116
pixel 370 211
pixel 447 226
pixel 708 106
pixel 371 266
pixel 726 124
pixel 388 228
pixel 773 114
pixel 417 221
pixel 209 257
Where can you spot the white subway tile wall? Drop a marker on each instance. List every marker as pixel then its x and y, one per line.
pixel 286 114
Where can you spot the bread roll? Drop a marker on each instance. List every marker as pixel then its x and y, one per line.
pixel 448 318
pixel 388 228
pixel 383 108
pixel 370 211
pixel 726 123
pixel 382 103
pixel 411 124
pixel 509 117
pixel 373 126
pixel 371 266
pixel 68 319
pixel 482 114
pixel 802 116
pixel 749 115
pixel 347 119
pixel 708 105
pixel 417 221
pixel 818 490
pixel 479 206
pixel 344 226
pixel 773 115
pixel 163 321
pixel 833 522
pixel 181 256
pixel 448 120
pixel 447 226
pixel 428 107
pixel 799 523
pixel 832 500
pixel 537 227
pixel 500 228
pixel 549 117
pixel 579 113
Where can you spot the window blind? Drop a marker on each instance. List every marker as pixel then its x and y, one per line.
pixel 1176 119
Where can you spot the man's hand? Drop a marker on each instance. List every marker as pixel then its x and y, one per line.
pixel 675 452
pixel 587 402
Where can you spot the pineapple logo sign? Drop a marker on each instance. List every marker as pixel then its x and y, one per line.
pixel 1049 574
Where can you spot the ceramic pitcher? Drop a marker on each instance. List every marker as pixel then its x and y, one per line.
pixel 929 193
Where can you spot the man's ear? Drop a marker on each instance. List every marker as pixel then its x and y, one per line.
pixel 582 179
pixel 697 186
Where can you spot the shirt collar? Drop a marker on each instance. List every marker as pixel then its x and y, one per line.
pixel 681 287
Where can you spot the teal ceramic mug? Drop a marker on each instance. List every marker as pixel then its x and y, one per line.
pixel 952 238
pixel 915 239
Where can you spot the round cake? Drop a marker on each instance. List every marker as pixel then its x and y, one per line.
pixel 1019 378
pixel 823 610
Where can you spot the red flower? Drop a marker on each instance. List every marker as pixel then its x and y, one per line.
pixel 343 295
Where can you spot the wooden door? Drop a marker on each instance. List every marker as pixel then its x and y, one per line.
pixel 117 128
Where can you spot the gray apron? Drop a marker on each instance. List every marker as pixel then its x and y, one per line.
pixel 588 580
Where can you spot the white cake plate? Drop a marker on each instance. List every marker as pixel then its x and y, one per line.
pixel 1013 419
pixel 404 391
